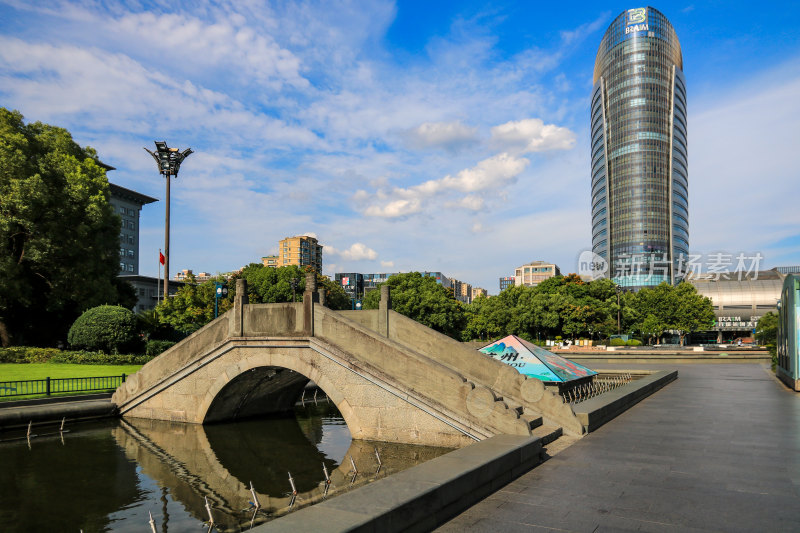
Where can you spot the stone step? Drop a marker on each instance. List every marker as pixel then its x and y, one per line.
pixel 534 421
pixel 547 433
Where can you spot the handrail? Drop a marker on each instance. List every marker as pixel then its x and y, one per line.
pixel 50 385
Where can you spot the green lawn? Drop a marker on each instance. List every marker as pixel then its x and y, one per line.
pixel 26 371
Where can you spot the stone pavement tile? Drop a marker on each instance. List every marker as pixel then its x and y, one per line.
pixel 498 526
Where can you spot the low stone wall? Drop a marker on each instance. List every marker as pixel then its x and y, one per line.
pixel 422 497
pixel 596 411
pixel 273 320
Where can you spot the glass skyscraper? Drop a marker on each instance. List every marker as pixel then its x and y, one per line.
pixel 640 179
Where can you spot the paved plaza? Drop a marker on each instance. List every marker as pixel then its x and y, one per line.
pixel 716 450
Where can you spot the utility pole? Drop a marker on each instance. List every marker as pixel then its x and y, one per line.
pixel 169 162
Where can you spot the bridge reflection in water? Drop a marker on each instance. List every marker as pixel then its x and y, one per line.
pixel 218 462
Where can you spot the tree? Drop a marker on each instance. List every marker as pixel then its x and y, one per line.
pixel 767 329
pixel 666 307
pixel 192 306
pixel 59 236
pixel 422 299
pixel 108 328
pixel 693 311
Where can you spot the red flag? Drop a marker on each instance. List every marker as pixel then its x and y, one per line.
pixel 161 258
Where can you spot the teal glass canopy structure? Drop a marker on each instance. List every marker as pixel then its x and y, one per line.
pixel 535 362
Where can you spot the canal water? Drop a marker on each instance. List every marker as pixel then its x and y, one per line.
pixel 112 475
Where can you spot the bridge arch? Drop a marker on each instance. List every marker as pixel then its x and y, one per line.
pixel 270 382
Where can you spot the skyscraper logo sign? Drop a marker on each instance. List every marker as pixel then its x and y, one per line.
pixel 636 20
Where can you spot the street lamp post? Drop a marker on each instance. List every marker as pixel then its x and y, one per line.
pixel 293 283
pixel 619 314
pixel 169 162
pixel 220 291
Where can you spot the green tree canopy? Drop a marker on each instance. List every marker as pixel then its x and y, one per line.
pixel 767 329
pixel 59 236
pixel 422 299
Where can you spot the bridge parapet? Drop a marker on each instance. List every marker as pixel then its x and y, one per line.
pixel 515 388
pixel 177 358
pixel 439 384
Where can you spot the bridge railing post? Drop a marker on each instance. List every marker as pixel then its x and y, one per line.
pixel 321 292
pixel 310 297
pixel 240 300
pixel 383 310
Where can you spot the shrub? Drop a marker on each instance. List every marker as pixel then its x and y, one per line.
pixel 633 342
pixel 108 328
pixel 617 342
pixel 25 354
pixel 155 347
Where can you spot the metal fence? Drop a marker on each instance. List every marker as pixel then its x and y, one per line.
pixel 48 385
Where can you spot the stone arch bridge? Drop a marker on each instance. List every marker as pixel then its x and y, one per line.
pixel 392 378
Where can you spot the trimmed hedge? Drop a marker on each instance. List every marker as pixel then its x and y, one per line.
pixel 25 354
pixel 109 328
pixel 633 342
pixel 156 347
pixel 617 342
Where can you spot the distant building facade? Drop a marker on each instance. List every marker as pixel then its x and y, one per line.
pixel 738 303
pixel 301 251
pixel 477 292
pixel 128 204
pixel 534 273
pixel 357 285
pixel 149 290
pixel 270 261
pixel 506 282
pixel 352 283
pixel 186 274
pixel 462 291
pixel 789 269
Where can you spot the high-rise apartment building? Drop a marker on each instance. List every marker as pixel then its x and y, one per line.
pixel 640 179
pixel 301 251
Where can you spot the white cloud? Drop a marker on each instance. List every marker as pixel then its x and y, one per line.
pixel 472 202
pixel 531 135
pixel 450 136
pixel 491 173
pixel 387 264
pixel 395 209
pixel 357 252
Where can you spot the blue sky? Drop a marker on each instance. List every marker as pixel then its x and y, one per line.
pixel 447 136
